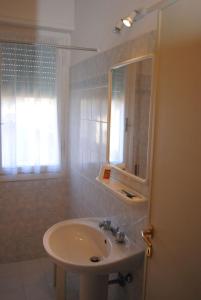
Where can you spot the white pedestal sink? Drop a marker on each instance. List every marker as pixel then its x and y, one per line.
pixel 79 245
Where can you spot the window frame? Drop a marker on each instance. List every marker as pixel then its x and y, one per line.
pixel 44 172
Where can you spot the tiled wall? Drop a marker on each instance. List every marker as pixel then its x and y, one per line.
pixel 88 137
pixel 88 132
pixel 27 210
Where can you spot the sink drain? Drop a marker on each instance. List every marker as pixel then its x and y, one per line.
pixel 95 259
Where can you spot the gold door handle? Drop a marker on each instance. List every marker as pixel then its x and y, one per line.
pixel 147 235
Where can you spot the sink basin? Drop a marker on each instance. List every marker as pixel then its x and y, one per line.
pixel 75 244
pixel 79 245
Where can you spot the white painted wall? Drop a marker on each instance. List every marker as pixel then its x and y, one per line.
pixel 95 19
pixel 57 14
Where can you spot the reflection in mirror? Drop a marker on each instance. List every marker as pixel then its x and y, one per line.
pixel 130 112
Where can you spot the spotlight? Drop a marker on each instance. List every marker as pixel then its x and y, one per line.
pixel 128 21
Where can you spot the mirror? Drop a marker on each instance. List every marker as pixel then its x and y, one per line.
pixel 130 115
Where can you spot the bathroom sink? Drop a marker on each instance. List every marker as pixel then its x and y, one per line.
pixel 79 245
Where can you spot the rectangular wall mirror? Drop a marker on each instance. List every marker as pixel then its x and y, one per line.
pixel 130 85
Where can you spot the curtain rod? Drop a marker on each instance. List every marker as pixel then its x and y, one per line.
pixel 77 48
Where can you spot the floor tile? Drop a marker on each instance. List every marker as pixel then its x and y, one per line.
pixel 10 277
pixel 16 294
pixel 11 268
pixel 33 280
pixel 48 270
pixel 32 273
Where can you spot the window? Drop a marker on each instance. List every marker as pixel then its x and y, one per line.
pixel 29 109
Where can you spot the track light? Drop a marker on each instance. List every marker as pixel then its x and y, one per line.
pixel 128 21
pixel 137 15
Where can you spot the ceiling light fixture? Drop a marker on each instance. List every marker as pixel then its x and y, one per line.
pixel 129 20
pixel 139 14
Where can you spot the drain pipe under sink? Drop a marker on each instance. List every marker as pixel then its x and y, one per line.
pixel 121 279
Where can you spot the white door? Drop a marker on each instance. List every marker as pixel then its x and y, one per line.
pixel 174 271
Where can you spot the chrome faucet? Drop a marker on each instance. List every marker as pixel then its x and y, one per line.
pixel 119 235
pixel 114 230
pixel 105 224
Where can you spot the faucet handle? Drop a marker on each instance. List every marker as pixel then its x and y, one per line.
pixel 106 224
pixel 120 237
pixel 114 230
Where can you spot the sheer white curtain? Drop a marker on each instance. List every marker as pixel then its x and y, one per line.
pixel 30 140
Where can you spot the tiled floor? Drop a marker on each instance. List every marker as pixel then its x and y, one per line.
pixel 32 280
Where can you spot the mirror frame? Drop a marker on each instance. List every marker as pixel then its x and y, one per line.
pixel 151 118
